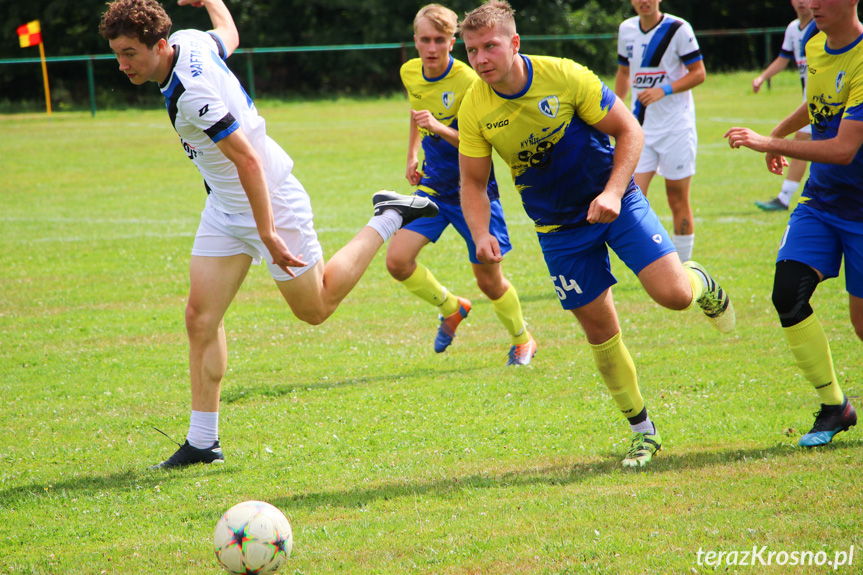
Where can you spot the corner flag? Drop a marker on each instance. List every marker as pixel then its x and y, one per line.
pixel 30 34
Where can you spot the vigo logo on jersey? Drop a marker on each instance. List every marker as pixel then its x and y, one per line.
pixel 540 157
pixel 448 98
pixel 549 106
pixel 498 124
pixel 644 80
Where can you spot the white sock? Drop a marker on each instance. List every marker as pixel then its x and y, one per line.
pixel 203 429
pixel 789 188
pixel 684 245
pixel 387 223
pixel 645 426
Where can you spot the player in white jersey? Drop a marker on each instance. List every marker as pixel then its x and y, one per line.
pixel 797 34
pixel 256 209
pixel 658 55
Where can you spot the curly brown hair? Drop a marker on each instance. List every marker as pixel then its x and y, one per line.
pixel 145 20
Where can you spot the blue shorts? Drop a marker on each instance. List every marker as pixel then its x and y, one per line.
pixel 432 228
pixel 578 259
pixel 819 240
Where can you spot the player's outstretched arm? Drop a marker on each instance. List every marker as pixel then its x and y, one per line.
pixel 839 150
pixel 476 207
pixel 223 22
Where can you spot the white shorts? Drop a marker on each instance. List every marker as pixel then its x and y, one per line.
pixel 671 155
pixel 222 235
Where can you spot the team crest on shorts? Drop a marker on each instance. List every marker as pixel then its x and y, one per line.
pixel 549 106
pixel 840 81
pixel 448 98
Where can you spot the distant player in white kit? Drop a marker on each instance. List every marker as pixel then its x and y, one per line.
pixel 658 55
pixel 256 209
pixel 797 34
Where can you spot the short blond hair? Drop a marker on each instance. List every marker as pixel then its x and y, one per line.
pixel 492 14
pixel 442 18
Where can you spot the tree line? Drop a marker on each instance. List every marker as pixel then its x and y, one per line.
pixel 71 29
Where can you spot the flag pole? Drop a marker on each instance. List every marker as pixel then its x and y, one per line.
pixel 45 78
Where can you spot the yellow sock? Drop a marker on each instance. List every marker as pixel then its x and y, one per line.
pixel 812 351
pixel 508 310
pixel 423 284
pixel 697 285
pixel 617 370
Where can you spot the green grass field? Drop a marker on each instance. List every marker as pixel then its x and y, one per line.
pixel 386 457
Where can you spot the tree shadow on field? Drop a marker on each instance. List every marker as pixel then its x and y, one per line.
pixel 561 474
pixel 244 393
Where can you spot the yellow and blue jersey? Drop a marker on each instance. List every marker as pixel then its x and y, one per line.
pixel 559 161
pixel 442 96
pixel 834 92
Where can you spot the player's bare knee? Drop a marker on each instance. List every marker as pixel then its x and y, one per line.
pixel 398 267
pixel 312 315
pixel 200 324
pixel 492 286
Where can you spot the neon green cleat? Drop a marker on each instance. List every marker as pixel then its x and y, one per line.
pixel 714 302
pixel 644 447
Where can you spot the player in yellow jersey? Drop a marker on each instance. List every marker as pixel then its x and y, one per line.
pixel 436 84
pixel 827 224
pixel 550 119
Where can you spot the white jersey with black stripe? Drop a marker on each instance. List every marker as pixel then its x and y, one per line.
pixel 657 57
pixel 794 45
pixel 207 103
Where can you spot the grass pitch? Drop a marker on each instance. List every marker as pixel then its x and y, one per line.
pixel 386 457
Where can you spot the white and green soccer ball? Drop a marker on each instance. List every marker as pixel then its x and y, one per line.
pixel 253 538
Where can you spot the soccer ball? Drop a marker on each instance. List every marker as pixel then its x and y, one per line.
pixel 253 538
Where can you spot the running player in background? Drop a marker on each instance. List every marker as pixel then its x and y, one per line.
pixel 797 34
pixel 550 120
pixel 255 209
pixel 827 223
pixel 659 57
pixel 436 84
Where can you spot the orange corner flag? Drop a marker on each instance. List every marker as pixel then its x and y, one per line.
pixel 30 34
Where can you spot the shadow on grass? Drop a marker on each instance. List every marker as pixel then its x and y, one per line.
pixel 562 474
pixel 127 480
pixel 237 394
